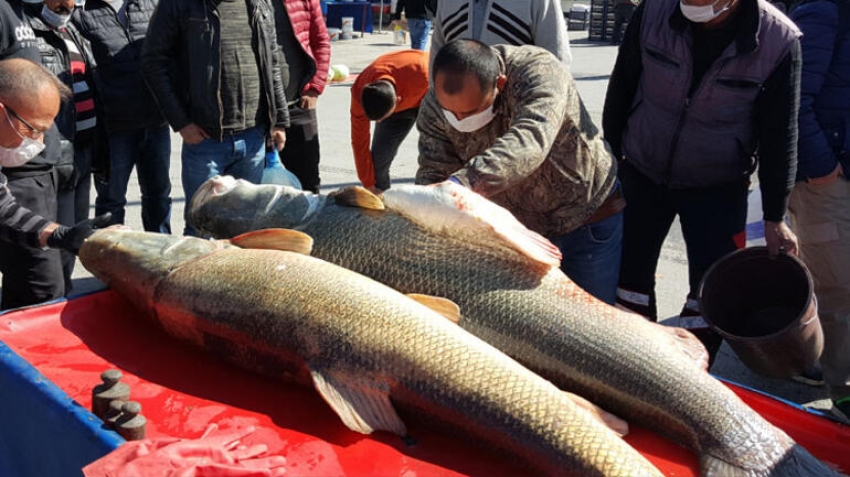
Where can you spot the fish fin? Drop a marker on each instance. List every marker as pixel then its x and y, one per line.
pixel 447 205
pixel 443 306
pixel 795 462
pixel 275 239
pixel 357 196
pixel 687 343
pixel 616 424
pixel 363 406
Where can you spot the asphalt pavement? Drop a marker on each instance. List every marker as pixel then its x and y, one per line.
pixel 592 64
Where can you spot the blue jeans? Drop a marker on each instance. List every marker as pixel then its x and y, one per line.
pixel 149 151
pixel 591 256
pixel 241 155
pixel 419 29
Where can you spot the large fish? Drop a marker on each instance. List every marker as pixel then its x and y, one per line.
pixel 364 346
pixel 446 241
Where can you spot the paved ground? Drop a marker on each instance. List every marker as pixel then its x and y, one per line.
pixel 592 64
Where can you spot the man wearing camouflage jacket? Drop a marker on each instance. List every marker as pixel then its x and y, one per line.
pixel 508 123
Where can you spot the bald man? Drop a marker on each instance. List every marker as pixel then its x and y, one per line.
pixel 29 100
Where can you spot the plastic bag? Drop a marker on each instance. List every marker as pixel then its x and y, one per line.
pixel 275 173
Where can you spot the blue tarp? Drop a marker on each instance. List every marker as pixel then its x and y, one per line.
pixel 43 432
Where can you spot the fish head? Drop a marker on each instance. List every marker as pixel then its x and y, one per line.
pixel 224 207
pixel 133 263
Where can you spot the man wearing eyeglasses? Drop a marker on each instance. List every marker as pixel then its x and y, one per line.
pixel 29 100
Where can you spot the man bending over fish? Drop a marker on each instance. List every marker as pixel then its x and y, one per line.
pixel 508 123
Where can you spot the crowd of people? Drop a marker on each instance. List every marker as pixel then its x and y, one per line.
pixel 703 94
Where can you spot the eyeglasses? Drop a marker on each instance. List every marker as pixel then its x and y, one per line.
pixel 32 132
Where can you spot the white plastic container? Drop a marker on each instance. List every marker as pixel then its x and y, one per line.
pixel 347 28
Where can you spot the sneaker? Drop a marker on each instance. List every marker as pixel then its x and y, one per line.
pixel 812 377
pixel 841 409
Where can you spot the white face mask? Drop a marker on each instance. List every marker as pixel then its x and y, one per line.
pixel 25 152
pixel 702 13
pixel 470 123
pixel 56 20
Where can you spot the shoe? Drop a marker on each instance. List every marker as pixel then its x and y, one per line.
pixel 812 377
pixel 841 409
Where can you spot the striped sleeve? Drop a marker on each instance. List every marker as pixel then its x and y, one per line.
pixel 17 223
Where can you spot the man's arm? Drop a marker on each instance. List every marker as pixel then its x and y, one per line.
pixel 550 30
pixel 776 126
pixel 438 37
pixel 437 157
pixel 18 224
pixel 320 46
pixel 819 23
pixel 623 84
pixel 538 92
pixel 160 46
pixel 360 140
pixel 279 66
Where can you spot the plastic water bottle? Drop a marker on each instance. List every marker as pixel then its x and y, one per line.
pixel 275 173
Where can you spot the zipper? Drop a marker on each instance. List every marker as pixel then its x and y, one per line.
pixel 214 12
pixel 674 143
pixel 264 67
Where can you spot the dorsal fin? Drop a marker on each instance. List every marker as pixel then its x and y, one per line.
pixel 363 404
pixel 275 239
pixel 357 196
pixel 443 306
pixel 451 206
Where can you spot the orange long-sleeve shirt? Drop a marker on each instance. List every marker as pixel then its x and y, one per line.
pixel 407 70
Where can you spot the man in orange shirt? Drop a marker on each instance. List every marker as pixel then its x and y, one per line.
pixel 388 91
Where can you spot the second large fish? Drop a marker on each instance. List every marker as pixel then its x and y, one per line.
pixel 365 347
pixel 446 241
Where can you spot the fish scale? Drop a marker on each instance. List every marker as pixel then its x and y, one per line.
pixel 533 313
pixel 312 316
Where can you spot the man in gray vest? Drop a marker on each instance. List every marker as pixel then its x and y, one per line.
pixel 700 90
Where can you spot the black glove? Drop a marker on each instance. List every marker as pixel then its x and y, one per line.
pixel 71 238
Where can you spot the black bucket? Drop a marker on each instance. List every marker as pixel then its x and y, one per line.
pixel 765 309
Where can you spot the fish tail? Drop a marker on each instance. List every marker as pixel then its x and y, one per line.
pixel 797 462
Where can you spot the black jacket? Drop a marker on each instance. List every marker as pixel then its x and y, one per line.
pixel 55 57
pixel 182 66
pixel 126 101
pixel 17 40
pixel 411 9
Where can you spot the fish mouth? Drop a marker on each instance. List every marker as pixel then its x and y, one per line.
pixel 216 186
pixel 221 185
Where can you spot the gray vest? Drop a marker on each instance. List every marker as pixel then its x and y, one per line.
pixel 707 139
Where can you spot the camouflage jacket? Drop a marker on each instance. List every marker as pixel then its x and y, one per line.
pixel 541 157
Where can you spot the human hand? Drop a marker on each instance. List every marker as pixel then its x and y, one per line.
pixel 779 238
pixel 830 178
pixel 193 134
pixel 279 138
pixel 309 100
pixel 72 238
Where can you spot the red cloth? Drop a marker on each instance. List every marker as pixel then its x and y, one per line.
pixel 209 456
pixel 308 24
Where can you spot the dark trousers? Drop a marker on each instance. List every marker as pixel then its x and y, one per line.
pixel 712 220
pixel 389 134
pixel 301 154
pixel 622 15
pixel 73 202
pixel 32 276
